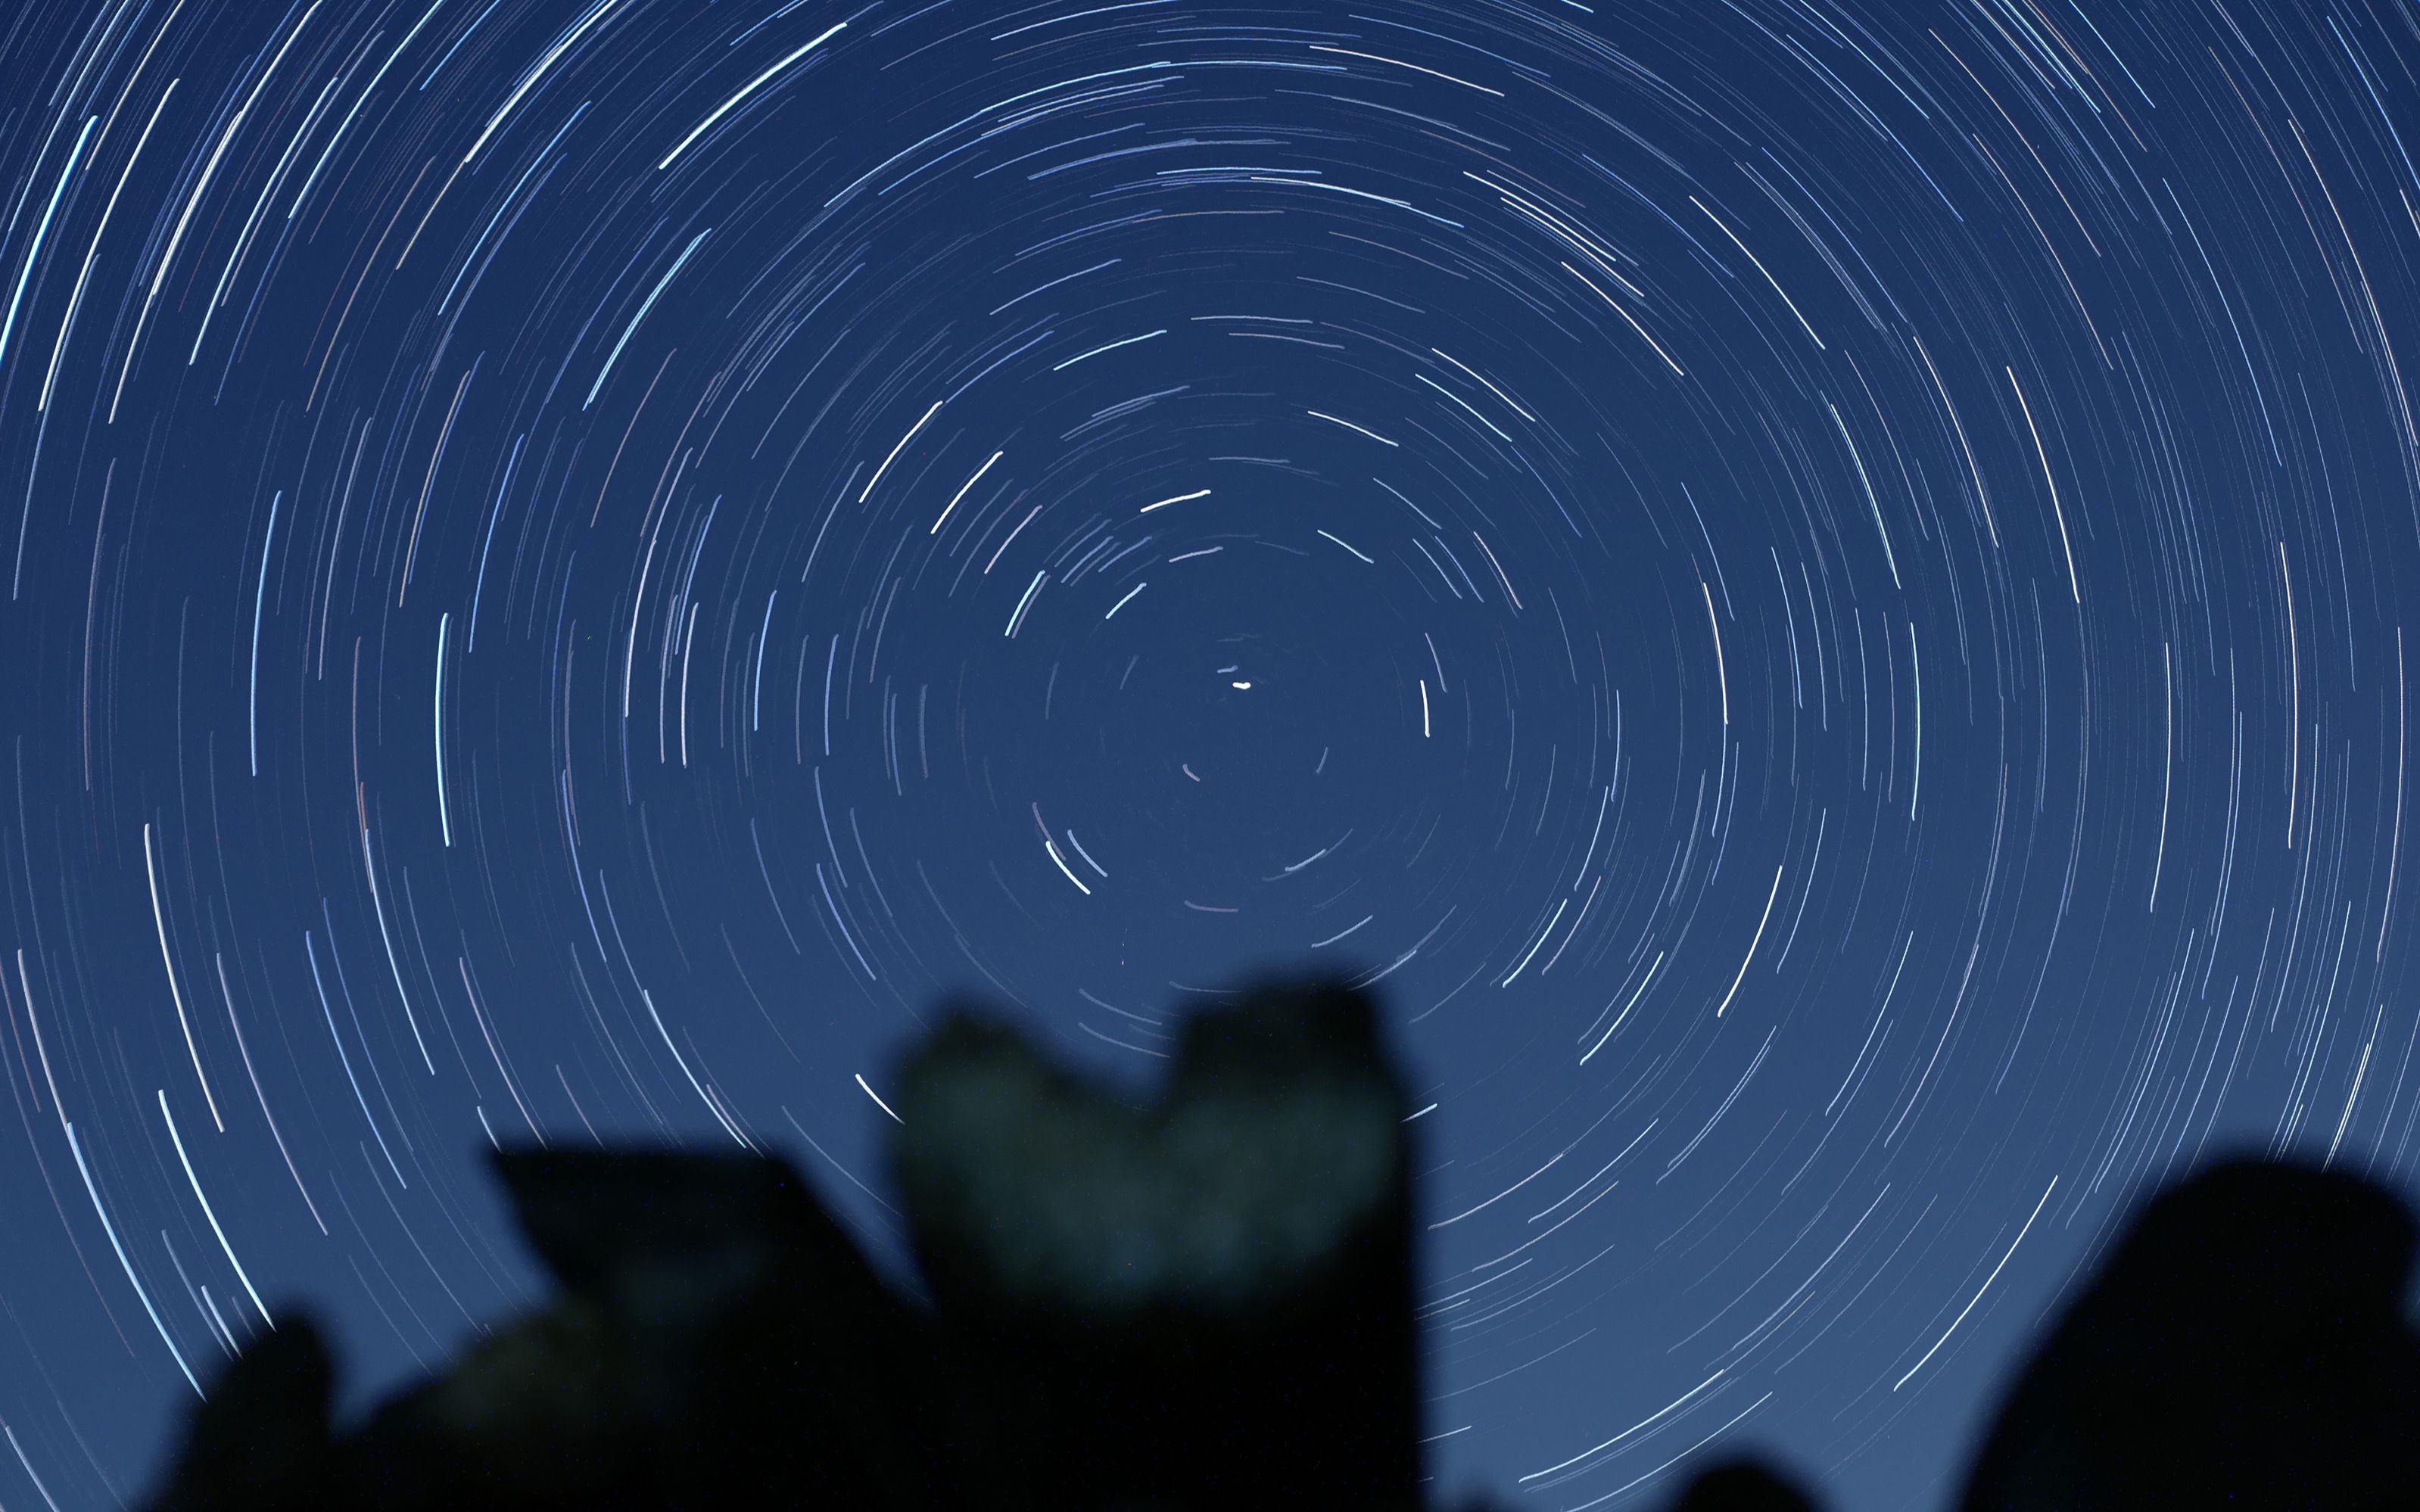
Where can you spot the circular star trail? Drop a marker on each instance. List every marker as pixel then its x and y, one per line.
pixel 1809 590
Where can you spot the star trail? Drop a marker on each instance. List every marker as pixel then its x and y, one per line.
pixel 575 569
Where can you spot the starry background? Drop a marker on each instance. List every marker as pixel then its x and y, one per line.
pixel 1810 590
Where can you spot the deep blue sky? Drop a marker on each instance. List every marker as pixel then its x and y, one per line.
pixel 1811 589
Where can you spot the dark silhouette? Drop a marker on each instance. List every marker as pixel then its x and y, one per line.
pixel 2244 1346
pixel 260 1440
pixel 1207 1303
pixel 720 1343
pixel 1743 1486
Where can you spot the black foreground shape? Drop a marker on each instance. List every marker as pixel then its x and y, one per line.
pixel 2244 1346
pixel 1209 1302
pixel 1743 1486
pixel 1205 1302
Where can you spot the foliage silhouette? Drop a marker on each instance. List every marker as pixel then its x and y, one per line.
pixel 1208 1302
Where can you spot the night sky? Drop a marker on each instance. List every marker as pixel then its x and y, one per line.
pixel 1810 590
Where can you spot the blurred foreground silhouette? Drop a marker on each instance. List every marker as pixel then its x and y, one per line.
pixel 1209 1302
pixel 2244 1346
